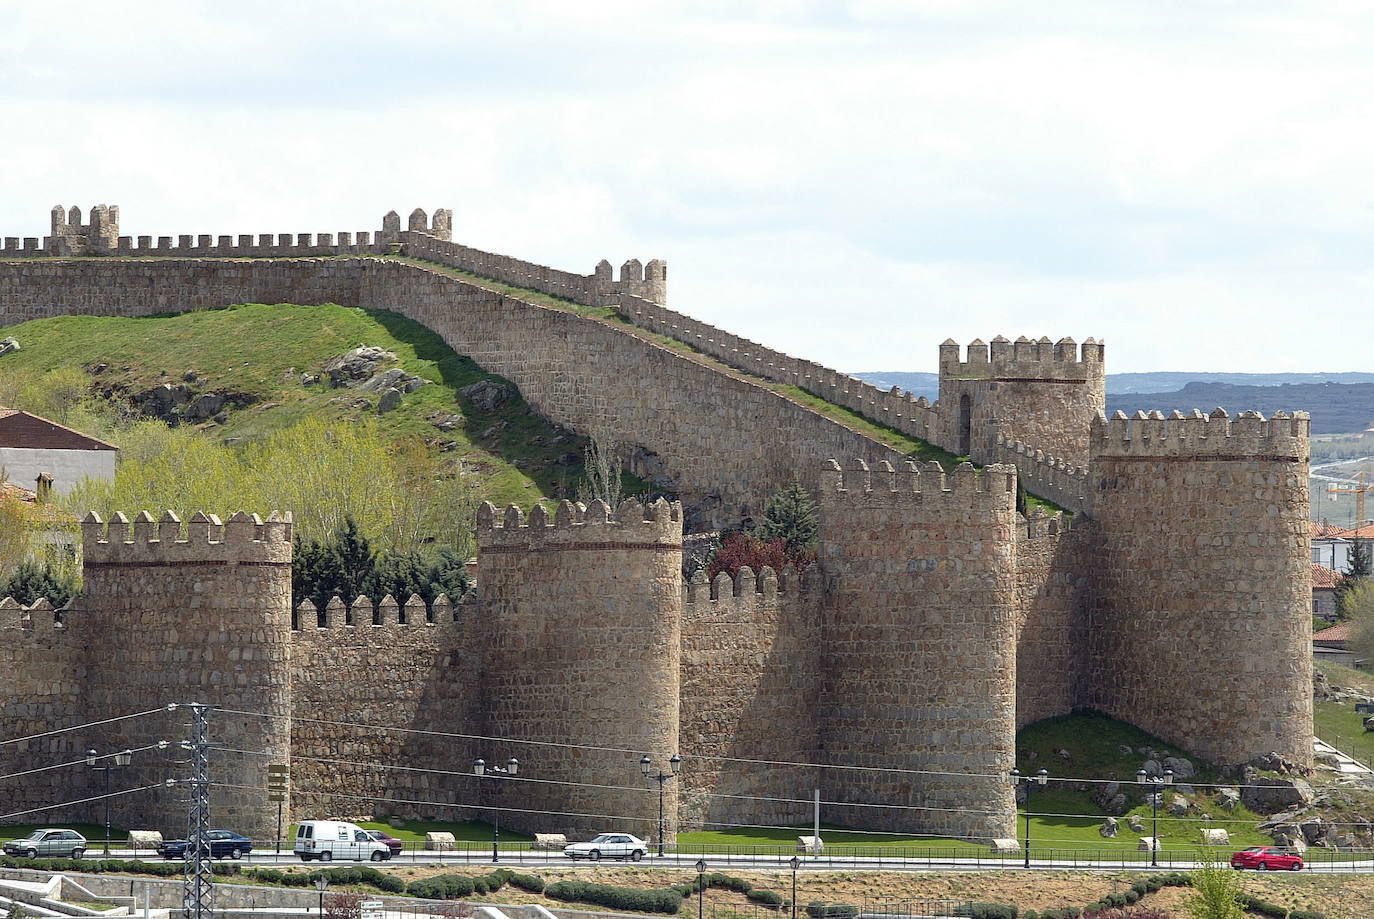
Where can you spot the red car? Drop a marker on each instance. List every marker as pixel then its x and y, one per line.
pixel 391 842
pixel 1267 858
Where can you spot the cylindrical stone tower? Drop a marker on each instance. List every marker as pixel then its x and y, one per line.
pixel 582 624
pixel 200 616
pixel 1202 632
pixel 919 649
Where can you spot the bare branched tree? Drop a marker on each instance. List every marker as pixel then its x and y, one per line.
pixel 603 468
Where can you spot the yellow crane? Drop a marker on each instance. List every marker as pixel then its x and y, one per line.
pixel 1350 487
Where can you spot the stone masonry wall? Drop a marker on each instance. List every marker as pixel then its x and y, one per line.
pixel 405 671
pixel 581 646
pixel 1202 630
pixel 919 665
pixel 200 615
pixel 1052 586
pixel 751 667
pixel 45 667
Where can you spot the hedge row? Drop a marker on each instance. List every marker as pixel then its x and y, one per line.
pixel 665 900
pixel 362 875
pixel 102 865
pixel 458 886
pixel 1254 904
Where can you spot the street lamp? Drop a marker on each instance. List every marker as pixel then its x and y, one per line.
pixel 1040 778
pixel 321 883
pixel 121 759
pixel 701 888
pixel 479 769
pixel 1156 783
pixel 795 863
pixel 646 768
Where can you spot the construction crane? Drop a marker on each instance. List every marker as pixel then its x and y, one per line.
pixel 1355 485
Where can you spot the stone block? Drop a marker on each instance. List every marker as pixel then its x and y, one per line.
pixel 810 845
pixel 144 839
pixel 1147 843
pixel 440 842
pixel 1215 837
pixel 1006 845
pixel 555 841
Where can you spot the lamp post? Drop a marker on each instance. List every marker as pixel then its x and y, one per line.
pixel 795 863
pixel 321 883
pixel 646 768
pixel 1156 783
pixel 701 888
pixel 1040 778
pixel 479 769
pixel 121 759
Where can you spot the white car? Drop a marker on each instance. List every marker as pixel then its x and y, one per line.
pixel 609 845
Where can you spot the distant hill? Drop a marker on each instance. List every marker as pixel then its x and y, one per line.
pixel 1339 402
pixel 927 384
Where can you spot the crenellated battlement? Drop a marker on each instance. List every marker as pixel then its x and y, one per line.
pixel 995 484
pixel 167 540
pixel 746 588
pixel 1040 525
pixel 1047 476
pixel 581 526
pixel 1248 435
pixel 39 616
pixel 388 612
pixel 1024 360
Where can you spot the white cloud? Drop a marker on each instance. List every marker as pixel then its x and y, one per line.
pixel 851 182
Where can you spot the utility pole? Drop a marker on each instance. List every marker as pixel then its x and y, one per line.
pixel 198 883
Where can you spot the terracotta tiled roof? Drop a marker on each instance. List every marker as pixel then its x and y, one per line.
pixel 1360 532
pixel 27 431
pixel 1322 530
pixel 1339 632
pixel 1324 577
pixel 39 513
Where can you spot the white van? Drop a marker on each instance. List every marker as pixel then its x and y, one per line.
pixel 327 840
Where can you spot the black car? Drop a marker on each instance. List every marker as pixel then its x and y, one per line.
pixel 223 843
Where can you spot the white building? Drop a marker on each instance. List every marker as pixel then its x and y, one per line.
pixel 31 446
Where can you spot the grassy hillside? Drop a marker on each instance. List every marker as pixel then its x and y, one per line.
pixel 259 352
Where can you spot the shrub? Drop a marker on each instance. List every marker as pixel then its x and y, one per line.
pixel 529 882
pixel 766 897
pixel 991 911
pixel 1306 914
pixel 665 900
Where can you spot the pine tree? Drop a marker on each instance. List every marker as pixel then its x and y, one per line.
pixel 791 517
pixel 1356 573
pixel 32 581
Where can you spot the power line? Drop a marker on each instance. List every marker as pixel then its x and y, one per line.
pixel 78 727
pixel 79 762
pixel 113 794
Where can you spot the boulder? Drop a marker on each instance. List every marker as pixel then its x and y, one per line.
pixel 205 406
pixel 1313 829
pixel 1135 823
pixel 1152 767
pixel 1105 793
pixel 353 366
pixel 1369 724
pixel 487 394
pixel 1215 837
pixel 8 344
pixel 1292 841
pixel 1273 762
pixel 1178 807
pixel 810 845
pixel 140 840
pixel 1147 843
pixel 1269 796
pixel 1182 768
pixel 1109 828
pixel 555 841
pixel 440 842
pixel 1117 805
pixel 1228 798
pixel 1124 750
pixel 1063 754
pixel 1005 845
pixel 391 399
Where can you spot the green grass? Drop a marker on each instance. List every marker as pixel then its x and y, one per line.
pixel 94 833
pixel 253 348
pixel 415 830
pixel 1340 725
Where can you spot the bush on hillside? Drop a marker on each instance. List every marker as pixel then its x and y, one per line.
pixel 665 900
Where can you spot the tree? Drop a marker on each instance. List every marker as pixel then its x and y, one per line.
pixel 791 517
pixel 32 581
pixel 1360 605
pixel 604 474
pixel 1356 574
pixel 1216 891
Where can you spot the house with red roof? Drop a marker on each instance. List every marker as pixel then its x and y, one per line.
pixel 1333 645
pixel 1324 581
pixel 32 447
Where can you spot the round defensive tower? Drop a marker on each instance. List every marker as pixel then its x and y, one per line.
pixel 200 615
pixel 581 630
pixel 919 656
pixel 1203 632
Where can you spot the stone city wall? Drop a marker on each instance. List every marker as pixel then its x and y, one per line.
pixel 751 671
pixel 1052 586
pixel 44 659
pixel 919 647
pixel 400 666
pixel 1049 477
pixel 1201 631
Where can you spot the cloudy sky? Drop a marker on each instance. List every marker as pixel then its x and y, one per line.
pixel 851 182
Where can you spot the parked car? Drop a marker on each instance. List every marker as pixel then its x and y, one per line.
pixel 391 842
pixel 1267 858
pixel 57 841
pixel 223 843
pixel 609 845
pixel 327 840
